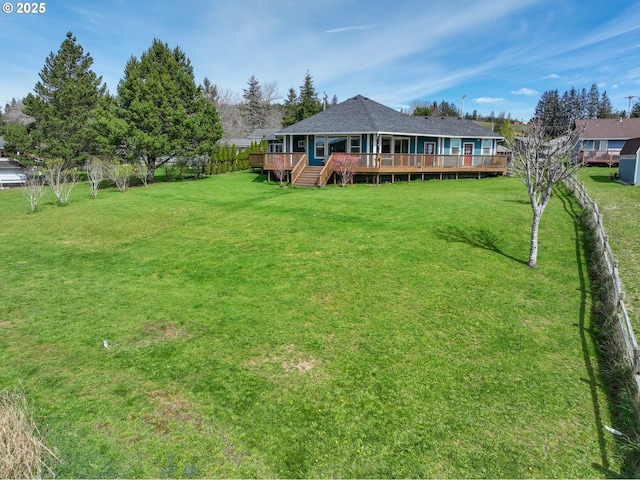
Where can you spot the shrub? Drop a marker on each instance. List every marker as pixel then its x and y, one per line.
pixel 345 165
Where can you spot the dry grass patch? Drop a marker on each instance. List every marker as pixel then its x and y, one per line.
pixel 22 452
pixel 289 360
pixel 171 409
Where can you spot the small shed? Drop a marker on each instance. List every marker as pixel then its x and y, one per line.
pixel 629 168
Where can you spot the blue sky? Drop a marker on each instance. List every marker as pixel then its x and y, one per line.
pixel 500 54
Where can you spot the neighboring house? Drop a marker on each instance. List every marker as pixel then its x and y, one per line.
pixel 241 144
pixel 261 134
pixel 387 142
pixel 629 168
pixel 256 136
pixel 600 140
pixel 11 172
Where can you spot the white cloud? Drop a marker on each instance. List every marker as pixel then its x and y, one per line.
pixel 488 100
pixel 525 91
pixel 551 76
pixel 346 29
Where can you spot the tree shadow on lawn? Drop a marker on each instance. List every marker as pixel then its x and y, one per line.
pixel 475 237
pixel 589 338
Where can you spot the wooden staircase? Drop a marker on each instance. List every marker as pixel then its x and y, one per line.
pixel 309 177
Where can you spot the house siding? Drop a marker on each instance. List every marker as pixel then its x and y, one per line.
pixel 628 170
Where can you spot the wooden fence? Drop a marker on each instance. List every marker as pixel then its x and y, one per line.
pixel 625 328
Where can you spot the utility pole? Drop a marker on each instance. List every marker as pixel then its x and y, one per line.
pixel 462 110
pixel 629 97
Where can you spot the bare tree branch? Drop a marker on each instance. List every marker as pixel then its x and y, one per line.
pixel 541 163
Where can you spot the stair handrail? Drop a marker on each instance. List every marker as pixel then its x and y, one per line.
pixel 326 172
pixel 297 169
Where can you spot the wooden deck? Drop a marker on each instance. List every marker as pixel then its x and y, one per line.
pixel 406 165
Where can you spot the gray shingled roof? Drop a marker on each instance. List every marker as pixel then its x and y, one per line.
pixel 362 115
pixel 609 128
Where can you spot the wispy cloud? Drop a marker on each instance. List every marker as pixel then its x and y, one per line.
pixel 346 29
pixel 488 100
pixel 551 76
pixel 525 91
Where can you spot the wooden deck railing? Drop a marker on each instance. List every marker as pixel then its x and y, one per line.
pixel 297 168
pixel 327 170
pixel 609 157
pixel 401 162
pixel 412 161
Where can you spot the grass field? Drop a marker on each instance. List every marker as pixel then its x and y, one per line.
pixel 620 205
pixel 253 331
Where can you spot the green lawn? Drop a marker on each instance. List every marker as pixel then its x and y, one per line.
pixel 619 204
pixel 253 331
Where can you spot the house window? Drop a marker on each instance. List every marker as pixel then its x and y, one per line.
pixel 601 145
pixel 455 146
pixel 430 148
pixel 354 145
pixel 337 145
pixel 401 145
pixel 386 145
pixel 275 147
pixel 319 147
pixel 486 146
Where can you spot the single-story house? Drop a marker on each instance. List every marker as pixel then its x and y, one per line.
pixel 601 139
pixel 387 142
pixel 256 136
pixel 261 134
pixel 12 174
pixel 629 168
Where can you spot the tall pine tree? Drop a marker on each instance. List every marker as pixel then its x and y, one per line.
pixel 309 103
pixel 255 110
pixel 165 112
pixel 62 105
pixel 290 108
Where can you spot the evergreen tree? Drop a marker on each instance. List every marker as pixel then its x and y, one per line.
pixel 165 112
pixel 605 109
pixel 62 104
pixel 584 101
pixel 309 104
pixel 210 90
pixel 421 111
pixel 290 108
pixel 593 100
pixel 635 111
pixel 255 110
pixel 550 113
pixel 447 109
pixel 334 100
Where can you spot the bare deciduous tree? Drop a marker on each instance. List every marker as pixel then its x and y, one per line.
pixel 281 165
pixel 541 163
pixel 96 173
pixel 14 113
pixel 120 174
pixel 60 179
pixel 140 171
pixel 33 189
